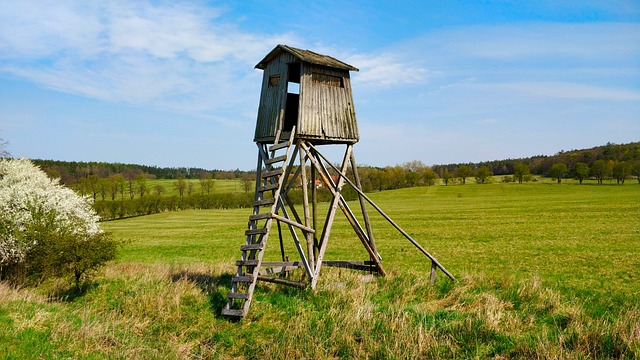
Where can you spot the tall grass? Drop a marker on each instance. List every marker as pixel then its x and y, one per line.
pixel 544 271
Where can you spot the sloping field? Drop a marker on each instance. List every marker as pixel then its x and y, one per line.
pixel 544 270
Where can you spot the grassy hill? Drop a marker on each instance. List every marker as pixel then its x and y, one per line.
pixel 544 271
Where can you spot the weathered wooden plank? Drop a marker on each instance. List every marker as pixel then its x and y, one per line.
pixel 243 279
pixel 293 223
pixel 407 236
pixel 267 187
pixel 247 263
pixel 282 263
pixel 259 216
pixel 256 231
pixel 251 247
pixel 278 146
pixel 272 173
pixel 282 281
pixel 276 159
pixel 233 312
pixel 351 264
pixel 264 202
pixel 434 267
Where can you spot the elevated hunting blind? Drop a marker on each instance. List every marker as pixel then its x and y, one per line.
pixel 306 102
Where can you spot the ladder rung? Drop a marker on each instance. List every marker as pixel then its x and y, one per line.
pixel 247 263
pixel 237 295
pixel 259 216
pixel 251 247
pixel 268 187
pixel 264 202
pixel 246 279
pixel 256 231
pixel 233 312
pixel 271 173
pixel 279 146
pixel 276 159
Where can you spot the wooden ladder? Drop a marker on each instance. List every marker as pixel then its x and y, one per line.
pixel 272 166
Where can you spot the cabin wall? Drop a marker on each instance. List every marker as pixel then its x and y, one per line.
pixel 272 98
pixel 327 112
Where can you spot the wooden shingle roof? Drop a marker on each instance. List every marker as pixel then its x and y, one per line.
pixel 306 56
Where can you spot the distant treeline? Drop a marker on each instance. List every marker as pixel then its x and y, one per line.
pixel 541 164
pixel 610 161
pixel 70 172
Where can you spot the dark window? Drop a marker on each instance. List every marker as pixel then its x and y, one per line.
pixel 274 80
pixel 294 72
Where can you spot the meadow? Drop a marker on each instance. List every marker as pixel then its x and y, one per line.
pixel 543 270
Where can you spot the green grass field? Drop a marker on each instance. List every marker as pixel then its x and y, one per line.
pixel 544 270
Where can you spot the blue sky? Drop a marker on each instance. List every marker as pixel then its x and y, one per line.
pixel 172 83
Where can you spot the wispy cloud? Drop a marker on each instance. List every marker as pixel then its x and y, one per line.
pixel 180 56
pixel 388 69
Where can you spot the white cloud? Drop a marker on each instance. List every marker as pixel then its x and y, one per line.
pixel 387 70
pixel 178 56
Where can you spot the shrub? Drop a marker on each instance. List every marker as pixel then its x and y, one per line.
pixel 46 230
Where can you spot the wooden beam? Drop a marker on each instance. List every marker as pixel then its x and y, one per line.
pixel 282 281
pixel 415 243
pixel 305 204
pixel 329 222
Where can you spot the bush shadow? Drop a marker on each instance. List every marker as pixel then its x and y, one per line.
pixel 215 287
pixel 70 294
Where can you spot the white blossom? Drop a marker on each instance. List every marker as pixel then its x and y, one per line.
pixel 25 191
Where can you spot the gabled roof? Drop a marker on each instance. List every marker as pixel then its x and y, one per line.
pixel 306 56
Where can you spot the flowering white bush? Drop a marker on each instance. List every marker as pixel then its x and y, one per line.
pixel 28 196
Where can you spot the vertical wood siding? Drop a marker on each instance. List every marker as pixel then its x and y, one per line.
pixel 272 99
pixel 326 110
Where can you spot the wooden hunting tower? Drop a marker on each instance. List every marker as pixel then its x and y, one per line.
pixel 308 91
pixel 306 102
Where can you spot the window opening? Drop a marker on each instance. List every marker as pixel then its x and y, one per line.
pixel 293 96
pixel 274 80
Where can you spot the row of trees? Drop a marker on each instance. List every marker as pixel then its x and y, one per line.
pixel 541 164
pixel 71 172
pixel 133 184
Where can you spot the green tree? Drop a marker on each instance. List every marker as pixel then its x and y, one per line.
pixel 103 187
pixel 447 177
pixel 141 184
pixel 635 170
pixel 557 171
pixel 247 182
pixel 395 176
pixel 46 229
pixel 621 170
pixel 463 172
pixel 206 182
pixel 93 184
pixel 483 174
pixel 520 171
pixel 430 177
pixel 180 185
pixel 189 187
pixel 581 170
pixel 120 185
pixel 600 170
pixel 158 189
